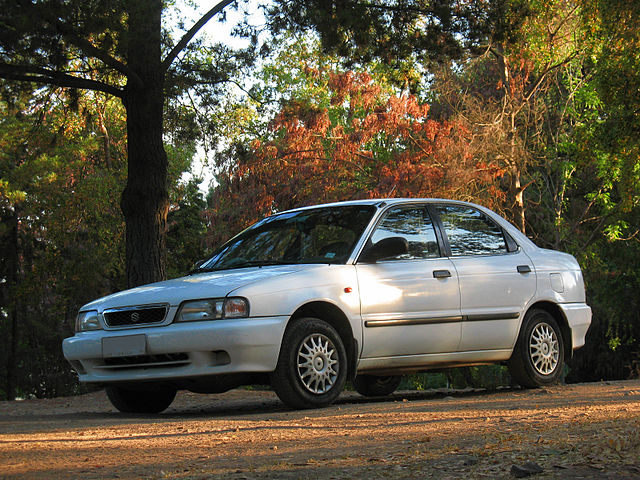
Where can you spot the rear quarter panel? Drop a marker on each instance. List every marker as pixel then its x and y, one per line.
pixel 559 278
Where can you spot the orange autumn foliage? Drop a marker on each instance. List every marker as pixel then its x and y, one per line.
pixel 362 143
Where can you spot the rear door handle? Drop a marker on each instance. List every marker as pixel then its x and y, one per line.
pixel 441 274
pixel 524 269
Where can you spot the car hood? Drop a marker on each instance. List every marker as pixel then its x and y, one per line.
pixel 201 285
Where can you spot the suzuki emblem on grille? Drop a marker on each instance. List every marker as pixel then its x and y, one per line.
pixel 135 317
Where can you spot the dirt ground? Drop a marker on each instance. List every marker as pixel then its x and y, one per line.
pixel 571 431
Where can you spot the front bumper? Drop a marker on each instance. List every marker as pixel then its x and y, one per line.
pixel 179 351
pixel 578 317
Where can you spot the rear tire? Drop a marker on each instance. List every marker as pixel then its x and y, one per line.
pixel 538 357
pixel 312 366
pixel 372 386
pixel 141 401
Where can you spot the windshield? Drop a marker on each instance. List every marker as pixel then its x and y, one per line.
pixel 320 235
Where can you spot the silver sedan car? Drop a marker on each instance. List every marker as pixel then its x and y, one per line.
pixel 365 291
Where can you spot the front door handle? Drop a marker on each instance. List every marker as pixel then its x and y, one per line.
pixel 441 274
pixel 524 269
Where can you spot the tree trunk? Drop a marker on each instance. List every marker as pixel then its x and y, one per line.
pixel 516 174
pixel 145 199
pixel 518 194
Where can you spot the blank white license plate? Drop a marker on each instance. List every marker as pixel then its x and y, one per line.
pixel 125 346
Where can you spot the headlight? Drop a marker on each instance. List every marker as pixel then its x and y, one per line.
pixel 88 321
pixel 213 309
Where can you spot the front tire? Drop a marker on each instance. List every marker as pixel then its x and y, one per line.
pixel 141 401
pixel 372 386
pixel 312 366
pixel 538 357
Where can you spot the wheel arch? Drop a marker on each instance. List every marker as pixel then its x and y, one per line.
pixel 335 317
pixel 556 312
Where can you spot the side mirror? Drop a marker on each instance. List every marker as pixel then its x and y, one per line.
pixel 386 248
pixel 197 264
pixel 195 267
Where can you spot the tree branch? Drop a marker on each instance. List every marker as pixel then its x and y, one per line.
pixel 91 50
pixel 26 73
pixel 83 44
pixel 186 38
pixel 545 72
pixel 392 8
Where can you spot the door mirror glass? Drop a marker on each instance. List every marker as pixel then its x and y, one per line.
pixel 385 249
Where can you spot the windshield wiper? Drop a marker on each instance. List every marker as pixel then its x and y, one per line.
pixel 201 270
pixel 258 263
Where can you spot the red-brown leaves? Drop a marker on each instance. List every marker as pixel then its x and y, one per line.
pixel 363 144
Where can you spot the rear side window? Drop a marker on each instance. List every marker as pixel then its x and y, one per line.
pixel 414 225
pixel 470 231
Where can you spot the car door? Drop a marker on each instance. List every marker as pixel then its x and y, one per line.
pixel 496 277
pixel 410 302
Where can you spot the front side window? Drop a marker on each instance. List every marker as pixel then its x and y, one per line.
pixel 412 224
pixel 470 231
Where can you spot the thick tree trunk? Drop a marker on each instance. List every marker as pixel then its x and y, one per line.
pixel 145 199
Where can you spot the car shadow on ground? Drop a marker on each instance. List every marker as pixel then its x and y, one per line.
pixel 243 404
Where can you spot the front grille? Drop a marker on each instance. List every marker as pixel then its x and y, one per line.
pixel 148 360
pixel 135 316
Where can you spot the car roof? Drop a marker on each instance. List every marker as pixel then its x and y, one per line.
pixel 380 202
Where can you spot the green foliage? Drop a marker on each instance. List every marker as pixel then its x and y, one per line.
pixel 406 35
pixel 485 376
pixel 62 233
pixel 613 341
pixel 67 242
pixel 186 229
pixel 607 159
pixel 615 50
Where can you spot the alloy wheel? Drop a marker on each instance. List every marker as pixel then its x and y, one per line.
pixel 544 349
pixel 318 363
